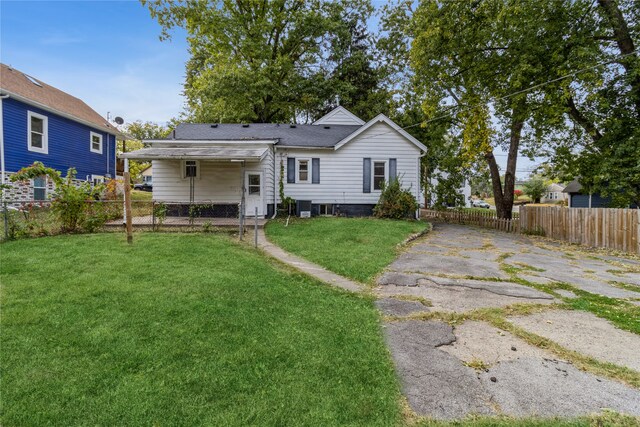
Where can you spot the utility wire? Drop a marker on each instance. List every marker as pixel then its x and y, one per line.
pixel 536 86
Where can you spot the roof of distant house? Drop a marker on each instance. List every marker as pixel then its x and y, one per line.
pixel 573 187
pixel 28 89
pixel 320 136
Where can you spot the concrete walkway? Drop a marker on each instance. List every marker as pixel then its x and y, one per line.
pixel 307 267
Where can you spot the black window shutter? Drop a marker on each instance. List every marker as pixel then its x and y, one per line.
pixel 291 170
pixel 393 166
pixel 315 171
pixel 366 175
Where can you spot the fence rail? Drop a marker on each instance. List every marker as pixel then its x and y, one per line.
pixel 598 227
pixel 617 229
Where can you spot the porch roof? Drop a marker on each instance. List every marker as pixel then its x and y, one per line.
pixel 197 153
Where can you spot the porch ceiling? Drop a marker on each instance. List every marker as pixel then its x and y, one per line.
pixel 197 153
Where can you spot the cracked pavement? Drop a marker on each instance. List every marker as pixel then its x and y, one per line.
pixel 450 372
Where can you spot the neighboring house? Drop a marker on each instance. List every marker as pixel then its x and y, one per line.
pixel 580 199
pixel 555 193
pixel 147 175
pixel 41 123
pixel 334 166
pixel 465 190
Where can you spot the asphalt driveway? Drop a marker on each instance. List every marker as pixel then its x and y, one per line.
pixel 453 298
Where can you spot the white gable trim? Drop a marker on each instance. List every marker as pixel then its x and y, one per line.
pixel 381 118
pixel 327 117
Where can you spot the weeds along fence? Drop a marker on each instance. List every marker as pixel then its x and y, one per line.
pixel 617 229
pixel 22 219
pixel 486 219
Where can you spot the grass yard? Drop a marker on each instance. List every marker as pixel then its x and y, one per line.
pixel 358 248
pixel 188 329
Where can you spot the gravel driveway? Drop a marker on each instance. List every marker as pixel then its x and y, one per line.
pixel 451 367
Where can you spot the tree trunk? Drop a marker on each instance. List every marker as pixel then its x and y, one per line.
pixel 503 196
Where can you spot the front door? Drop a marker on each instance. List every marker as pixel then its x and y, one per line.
pixel 254 193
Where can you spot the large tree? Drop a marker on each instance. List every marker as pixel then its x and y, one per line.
pixel 274 61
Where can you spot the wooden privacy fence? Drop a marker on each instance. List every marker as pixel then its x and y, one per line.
pixel 598 227
pixel 481 219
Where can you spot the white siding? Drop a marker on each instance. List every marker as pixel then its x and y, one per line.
pixel 339 116
pixel 219 182
pixel 341 170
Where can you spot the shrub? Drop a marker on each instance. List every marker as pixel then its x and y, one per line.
pixel 517 193
pixel 395 202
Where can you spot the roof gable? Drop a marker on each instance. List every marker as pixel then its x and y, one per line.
pixel 339 116
pixel 29 90
pixel 381 118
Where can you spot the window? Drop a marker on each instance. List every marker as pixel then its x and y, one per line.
pixel 40 188
pixel 303 171
pixel 379 169
pixel 97 179
pixel 254 184
pixel 191 169
pixel 325 210
pixel 37 133
pixel 96 143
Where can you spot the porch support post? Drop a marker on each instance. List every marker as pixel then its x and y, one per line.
pixel 127 201
pixel 242 202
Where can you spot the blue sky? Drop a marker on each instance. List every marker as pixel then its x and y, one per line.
pixel 106 53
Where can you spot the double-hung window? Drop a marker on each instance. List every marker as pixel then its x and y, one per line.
pixel 38 133
pixel 379 174
pixel 96 143
pixel 40 188
pixel 303 170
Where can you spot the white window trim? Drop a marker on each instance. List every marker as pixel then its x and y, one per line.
pixel 183 165
pixel 100 179
pixel 373 172
pixel 46 188
pixel 308 180
pixel 45 133
pixel 91 135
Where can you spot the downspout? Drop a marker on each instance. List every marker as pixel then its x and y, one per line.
pixel 2 139
pixel 275 193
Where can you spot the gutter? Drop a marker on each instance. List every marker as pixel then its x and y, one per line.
pixel 275 194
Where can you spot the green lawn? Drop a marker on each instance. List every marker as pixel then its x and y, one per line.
pixel 183 329
pixel 358 248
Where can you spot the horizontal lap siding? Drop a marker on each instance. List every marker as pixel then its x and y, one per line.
pixel 219 182
pixel 341 170
pixel 68 143
pixel 339 118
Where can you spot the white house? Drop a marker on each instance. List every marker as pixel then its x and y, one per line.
pixel 555 193
pixel 335 165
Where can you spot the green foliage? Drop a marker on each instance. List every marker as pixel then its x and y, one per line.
pixel 276 61
pixel 160 212
pixel 137 132
pixel 287 203
pixel 358 248
pixel 395 202
pixel 535 188
pixel 70 201
pixel 183 329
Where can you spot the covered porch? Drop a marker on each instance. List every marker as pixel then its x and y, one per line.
pixel 202 183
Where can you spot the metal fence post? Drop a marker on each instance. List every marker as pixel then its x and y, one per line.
pixel 255 230
pixel 6 219
pixel 153 215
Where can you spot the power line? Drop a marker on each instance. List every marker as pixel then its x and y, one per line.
pixel 536 86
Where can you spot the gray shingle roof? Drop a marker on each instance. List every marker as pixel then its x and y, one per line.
pixel 298 136
pixel 573 187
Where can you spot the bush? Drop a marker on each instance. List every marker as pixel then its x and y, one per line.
pixel 395 202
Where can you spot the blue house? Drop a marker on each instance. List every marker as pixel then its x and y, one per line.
pixel 41 123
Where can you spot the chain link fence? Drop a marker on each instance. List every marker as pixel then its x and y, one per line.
pixel 22 219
